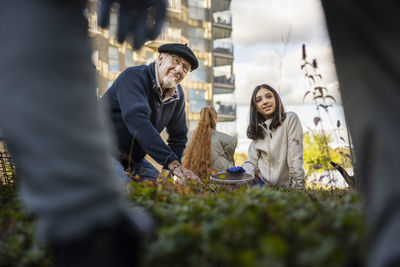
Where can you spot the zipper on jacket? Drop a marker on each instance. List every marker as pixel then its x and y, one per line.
pixel 269 134
pixel 266 128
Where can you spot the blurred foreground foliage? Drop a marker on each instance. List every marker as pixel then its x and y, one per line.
pixel 18 246
pixel 211 225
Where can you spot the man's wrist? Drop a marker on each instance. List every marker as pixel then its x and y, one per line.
pixel 173 165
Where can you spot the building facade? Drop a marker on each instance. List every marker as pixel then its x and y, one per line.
pixel 206 26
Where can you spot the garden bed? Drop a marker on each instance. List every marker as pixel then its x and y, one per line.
pixel 215 226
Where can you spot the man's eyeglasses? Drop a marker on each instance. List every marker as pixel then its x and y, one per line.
pixel 176 61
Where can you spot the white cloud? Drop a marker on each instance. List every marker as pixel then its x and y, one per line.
pixel 257 21
pixel 263 66
pixel 257 28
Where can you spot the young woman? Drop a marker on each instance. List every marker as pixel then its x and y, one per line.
pixel 276 152
pixel 207 148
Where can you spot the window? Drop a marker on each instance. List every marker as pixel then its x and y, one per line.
pixel 95 58
pixel 129 62
pixel 149 57
pixel 223 46
pixel 113 59
pixel 197 9
pixel 170 34
pixel 196 100
pixel 200 74
pixel 198 3
pixel 223 17
pixel 219 90
pixel 197 13
pixel 197 39
pixel 92 19
pixel 192 125
pixel 174 4
pixel 223 74
pixel 225 104
pixel 113 25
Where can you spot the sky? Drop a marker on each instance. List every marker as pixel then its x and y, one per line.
pixel 261 56
pixel 258 48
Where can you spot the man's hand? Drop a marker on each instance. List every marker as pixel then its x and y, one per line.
pixel 182 172
pixel 143 19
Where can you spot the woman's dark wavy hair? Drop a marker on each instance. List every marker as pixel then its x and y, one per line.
pixel 254 130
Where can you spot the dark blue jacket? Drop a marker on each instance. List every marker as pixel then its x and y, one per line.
pixel 137 109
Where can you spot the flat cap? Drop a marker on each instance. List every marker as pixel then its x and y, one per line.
pixel 181 50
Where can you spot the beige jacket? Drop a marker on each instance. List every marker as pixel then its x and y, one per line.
pixel 278 157
pixel 222 149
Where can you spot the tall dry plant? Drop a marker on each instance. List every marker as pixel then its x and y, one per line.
pixel 286 34
pixel 323 101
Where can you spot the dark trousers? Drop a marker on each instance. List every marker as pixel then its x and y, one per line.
pixel 51 119
pixel 365 36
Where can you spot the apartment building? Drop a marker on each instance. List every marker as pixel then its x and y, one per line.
pixel 206 26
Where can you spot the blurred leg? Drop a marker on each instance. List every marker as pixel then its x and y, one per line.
pixel 146 170
pixel 51 119
pixel 366 40
pixel 120 172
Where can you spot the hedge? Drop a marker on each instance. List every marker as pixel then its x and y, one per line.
pixel 216 226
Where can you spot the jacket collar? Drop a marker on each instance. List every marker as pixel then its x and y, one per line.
pixel 266 126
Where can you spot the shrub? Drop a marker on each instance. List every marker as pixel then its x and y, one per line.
pixel 217 226
pixel 18 247
pixel 251 226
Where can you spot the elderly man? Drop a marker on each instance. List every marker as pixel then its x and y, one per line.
pixel 143 101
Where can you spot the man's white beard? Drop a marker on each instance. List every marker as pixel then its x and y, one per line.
pixel 169 82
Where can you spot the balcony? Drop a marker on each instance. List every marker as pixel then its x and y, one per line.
pixel 220 31
pixel 223 50
pixel 223 18
pixel 220 5
pixel 226 111
pixel 219 90
pixel 223 47
pixel 224 80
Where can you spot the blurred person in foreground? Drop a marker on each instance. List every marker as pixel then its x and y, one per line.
pixel 365 37
pixel 143 101
pixel 57 132
pixel 276 153
pixel 209 150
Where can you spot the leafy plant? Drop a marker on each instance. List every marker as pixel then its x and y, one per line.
pixel 210 225
pixel 323 101
pixel 315 159
pixel 18 245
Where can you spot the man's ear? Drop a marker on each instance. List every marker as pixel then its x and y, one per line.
pixel 160 57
